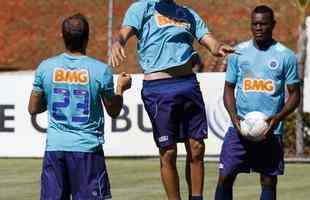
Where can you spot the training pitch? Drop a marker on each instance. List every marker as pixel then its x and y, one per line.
pixel 139 179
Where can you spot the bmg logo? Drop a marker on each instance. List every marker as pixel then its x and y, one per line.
pixel 258 85
pixel 61 75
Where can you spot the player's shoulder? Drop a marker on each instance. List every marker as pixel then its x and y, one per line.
pixel 52 59
pixel 284 50
pixel 244 45
pixel 96 63
pixel 50 62
pixel 99 67
pixel 241 48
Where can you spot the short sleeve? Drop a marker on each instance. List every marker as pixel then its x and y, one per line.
pixel 38 79
pixel 134 15
pixel 107 83
pixel 232 69
pixel 201 27
pixel 291 70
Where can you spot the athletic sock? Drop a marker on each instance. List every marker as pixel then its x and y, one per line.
pixel 268 193
pixel 195 198
pixel 223 193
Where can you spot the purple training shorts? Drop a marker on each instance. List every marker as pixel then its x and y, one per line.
pixel 176 109
pixel 82 176
pixel 241 155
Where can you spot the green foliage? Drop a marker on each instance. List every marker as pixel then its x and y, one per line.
pixel 290 136
pixel 303 2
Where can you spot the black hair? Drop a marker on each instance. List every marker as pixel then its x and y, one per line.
pixel 75 31
pixel 264 9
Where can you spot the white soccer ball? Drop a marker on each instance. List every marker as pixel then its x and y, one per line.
pixel 254 125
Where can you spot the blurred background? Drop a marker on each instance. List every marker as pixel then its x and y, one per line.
pixel 30 29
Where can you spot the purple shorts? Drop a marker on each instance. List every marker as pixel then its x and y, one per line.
pixel 241 155
pixel 79 175
pixel 176 109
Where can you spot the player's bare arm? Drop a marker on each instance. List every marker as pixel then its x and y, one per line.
pixel 117 52
pixel 37 103
pixel 216 48
pixel 230 104
pixel 291 104
pixel 115 104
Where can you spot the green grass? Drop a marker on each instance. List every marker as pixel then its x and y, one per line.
pixel 138 179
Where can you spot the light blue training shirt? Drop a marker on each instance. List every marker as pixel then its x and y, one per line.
pixel 164 41
pixel 72 86
pixel 261 77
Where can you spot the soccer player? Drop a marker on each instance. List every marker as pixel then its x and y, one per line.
pixel 255 81
pixel 72 87
pixel 171 94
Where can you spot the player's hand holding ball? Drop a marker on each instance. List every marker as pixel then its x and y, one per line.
pixel 123 82
pixel 272 121
pixel 254 126
pixel 236 122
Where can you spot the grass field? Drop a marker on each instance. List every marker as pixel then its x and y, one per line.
pixel 138 179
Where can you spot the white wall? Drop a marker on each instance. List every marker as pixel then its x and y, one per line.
pixel 19 138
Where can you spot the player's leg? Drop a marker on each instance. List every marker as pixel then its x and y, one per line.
pixel 188 175
pixel 162 106
pixel 269 187
pixel 168 171
pixel 269 162
pixel 233 160
pixel 224 188
pixel 194 131
pixel 195 168
pixel 54 177
pixel 88 175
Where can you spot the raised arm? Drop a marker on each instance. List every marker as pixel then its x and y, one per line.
pixel 216 48
pixel 117 52
pixel 114 104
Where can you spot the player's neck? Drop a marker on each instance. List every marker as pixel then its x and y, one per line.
pixel 76 53
pixel 264 45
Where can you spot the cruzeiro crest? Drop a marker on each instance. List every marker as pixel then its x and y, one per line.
pixel 273 64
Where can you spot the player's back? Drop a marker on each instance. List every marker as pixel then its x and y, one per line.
pixel 73 86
